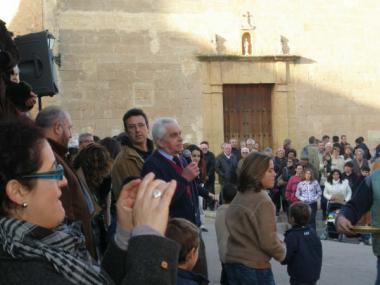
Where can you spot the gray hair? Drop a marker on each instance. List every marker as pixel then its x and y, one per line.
pixel 158 128
pixel 48 116
pixel 268 150
pixel 287 142
pixel 83 136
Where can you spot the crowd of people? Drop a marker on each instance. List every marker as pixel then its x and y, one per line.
pixel 128 209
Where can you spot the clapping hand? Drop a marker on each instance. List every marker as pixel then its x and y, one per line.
pixel 145 202
pixel 125 204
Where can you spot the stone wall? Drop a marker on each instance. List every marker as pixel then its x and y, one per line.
pixel 22 16
pixel 118 54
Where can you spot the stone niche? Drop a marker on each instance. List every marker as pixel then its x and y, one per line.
pixel 247 35
pixel 246 42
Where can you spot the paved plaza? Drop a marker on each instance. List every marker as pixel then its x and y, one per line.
pixel 348 263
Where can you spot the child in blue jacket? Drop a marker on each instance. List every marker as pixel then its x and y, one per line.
pixel 303 247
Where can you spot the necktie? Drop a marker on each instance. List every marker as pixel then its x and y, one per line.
pixel 179 164
pixel 177 161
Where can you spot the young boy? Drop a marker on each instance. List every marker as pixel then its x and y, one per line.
pixel 229 192
pixel 186 235
pixel 303 247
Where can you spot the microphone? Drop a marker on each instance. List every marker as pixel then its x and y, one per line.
pixel 187 155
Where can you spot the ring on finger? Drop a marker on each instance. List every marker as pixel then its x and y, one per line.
pixel 157 193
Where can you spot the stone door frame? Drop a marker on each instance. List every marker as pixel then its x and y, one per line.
pixel 217 70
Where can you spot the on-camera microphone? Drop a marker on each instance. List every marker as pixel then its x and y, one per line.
pixel 187 155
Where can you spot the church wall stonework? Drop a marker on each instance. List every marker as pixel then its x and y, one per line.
pixel 122 54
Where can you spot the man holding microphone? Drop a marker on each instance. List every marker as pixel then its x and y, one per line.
pixel 167 164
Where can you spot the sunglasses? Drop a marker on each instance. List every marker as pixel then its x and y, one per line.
pixel 56 174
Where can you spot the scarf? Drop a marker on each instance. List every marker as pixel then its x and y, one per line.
pixel 63 248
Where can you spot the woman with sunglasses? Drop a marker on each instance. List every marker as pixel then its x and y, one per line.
pixel 36 248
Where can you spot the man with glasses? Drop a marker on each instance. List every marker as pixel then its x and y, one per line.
pixel 136 148
pixel 56 124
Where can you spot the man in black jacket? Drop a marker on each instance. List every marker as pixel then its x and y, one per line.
pixel 226 165
pixel 209 158
pixel 235 148
pixel 351 177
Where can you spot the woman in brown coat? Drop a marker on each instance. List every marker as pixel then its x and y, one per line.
pixel 251 223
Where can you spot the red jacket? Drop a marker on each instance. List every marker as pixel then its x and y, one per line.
pixel 291 187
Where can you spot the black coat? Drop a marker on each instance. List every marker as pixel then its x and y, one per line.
pixel 236 153
pixel 303 254
pixel 367 153
pixel 352 180
pixel 226 168
pixel 209 158
pixel 149 260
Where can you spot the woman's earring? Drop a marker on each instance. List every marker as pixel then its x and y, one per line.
pixel 24 205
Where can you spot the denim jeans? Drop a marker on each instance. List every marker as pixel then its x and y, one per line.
pixel 223 276
pixel 239 274
pixel 314 208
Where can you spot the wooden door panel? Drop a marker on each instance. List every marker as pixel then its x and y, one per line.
pixel 247 112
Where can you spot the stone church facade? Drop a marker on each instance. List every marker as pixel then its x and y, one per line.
pixel 317 62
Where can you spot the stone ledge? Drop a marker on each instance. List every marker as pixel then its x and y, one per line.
pixel 260 58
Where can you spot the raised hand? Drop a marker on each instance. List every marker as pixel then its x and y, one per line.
pixel 152 202
pixel 125 203
pixel 190 172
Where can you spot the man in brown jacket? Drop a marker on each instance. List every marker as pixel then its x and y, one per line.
pixel 56 124
pixel 136 148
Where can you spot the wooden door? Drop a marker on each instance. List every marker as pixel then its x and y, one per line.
pixel 247 112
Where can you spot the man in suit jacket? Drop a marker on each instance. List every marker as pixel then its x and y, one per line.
pixel 167 164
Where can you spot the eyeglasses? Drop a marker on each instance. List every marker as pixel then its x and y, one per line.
pixel 136 126
pixel 56 174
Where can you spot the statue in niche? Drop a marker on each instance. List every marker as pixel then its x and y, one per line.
pixel 246 44
pixel 284 45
